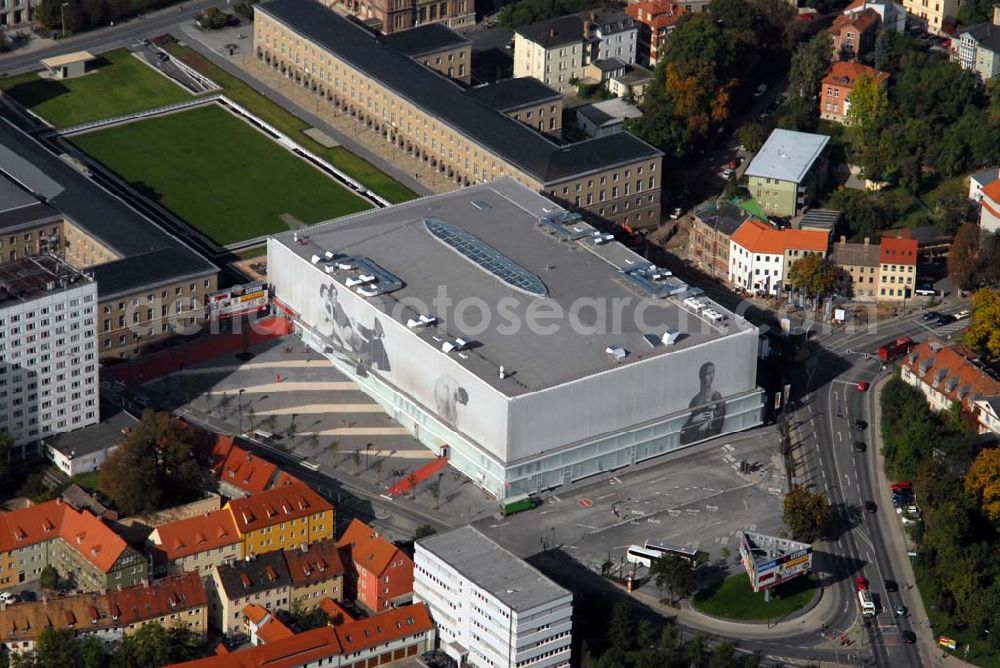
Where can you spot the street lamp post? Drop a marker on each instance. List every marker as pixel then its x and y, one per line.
pixel 62 17
pixel 368 449
pixel 239 408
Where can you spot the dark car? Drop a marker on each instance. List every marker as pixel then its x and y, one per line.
pixel 29 596
pixel 890 585
pixel 945 320
pixel 860 425
pixel 909 637
pixel 930 315
pixel 900 610
pixel 860 446
pixel 871 506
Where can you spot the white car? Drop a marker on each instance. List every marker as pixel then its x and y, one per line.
pixel 727 173
pixel 7 597
pixel 761 89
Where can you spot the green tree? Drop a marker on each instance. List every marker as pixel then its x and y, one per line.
pixel 307 618
pixel 881 53
pixel 813 274
pixel 356 457
pixel 752 136
pixel 983 334
pixel 621 634
pixel 867 113
pixel 810 63
pixel 423 531
pixel 975 11
pixel 723 656
pixel 962 256
pixel 49 578
pixel 56 648
pixel 92 653
pixel 806 514
pixel 673 575
pixel 435 490
pixel 697 651
pixel 333 448
pixel 645 634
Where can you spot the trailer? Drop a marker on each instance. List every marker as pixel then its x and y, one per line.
pixel 894 349
pixel 517 504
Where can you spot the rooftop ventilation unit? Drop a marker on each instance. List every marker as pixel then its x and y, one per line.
pixel 481 205
pixel 599 239
pixel 457 344
pixel 653 340
pixel 566 225
pixel 421 321
pixel 670 336
pixel 617 352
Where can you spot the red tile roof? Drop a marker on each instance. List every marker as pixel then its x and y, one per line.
pixel 898 251
pixel 656 13
pixel 27 526
pixel 368 548
pixel 159 598
pixel 321 561
pixel 255 613
pixel 273 630
pixel 196 534
pixel 276 505
pixel 92 538
pixel 337 613
pixel 948 371
pixel 759 237
pixel 244 470
pixel 861 21
pixel 383 628
pixel 992 191
pixel 845 73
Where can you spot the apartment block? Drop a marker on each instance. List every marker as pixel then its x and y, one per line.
pixel 611 33
pixel 656 19
pixel 860 266
pixel 761 255
pixel 713 224
pixel 552 51
pixel 490 608
pixel 835 90
pixel 195 544
pixel 853 34
pixel 380 574
pixel 977 47
pixel 429 117
pixel 949 375
pixel 787 171
pixel 934 16
pixel 392 16
pixel 282 517
pixel 263 580
pixel 897 268
pixel 317 573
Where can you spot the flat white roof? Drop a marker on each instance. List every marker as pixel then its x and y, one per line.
pixel 787 155
pixel 68 59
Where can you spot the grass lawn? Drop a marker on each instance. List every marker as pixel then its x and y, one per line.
pixel 244 95
pixel 120 85
pixel 88 481
pixel 219 174
pixel 734 599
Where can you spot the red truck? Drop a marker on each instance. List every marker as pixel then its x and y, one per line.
pixel 894 349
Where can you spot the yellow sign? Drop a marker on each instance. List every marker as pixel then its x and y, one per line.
pixel 796 562
pixel 251 296
pixel 947 643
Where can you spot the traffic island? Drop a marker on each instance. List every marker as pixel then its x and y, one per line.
pixel 733 598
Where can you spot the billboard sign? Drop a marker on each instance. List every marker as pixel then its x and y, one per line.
pixel 238 300
pixel 769 560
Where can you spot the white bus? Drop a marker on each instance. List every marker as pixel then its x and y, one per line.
pixel 691 556
pixel 867 604
pixel 641 556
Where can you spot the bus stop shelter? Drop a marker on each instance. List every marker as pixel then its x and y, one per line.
pixel 68 65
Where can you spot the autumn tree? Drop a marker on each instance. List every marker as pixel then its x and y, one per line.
pixel 807 514
pixel 983 481
pixel 752 136
pixel 674 575
pixel 869 102
pixel 962 256
pixel 813 274
pixel 984 324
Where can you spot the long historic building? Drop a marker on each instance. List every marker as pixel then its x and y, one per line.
pixel 615 178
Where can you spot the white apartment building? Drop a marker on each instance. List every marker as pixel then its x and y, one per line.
pixel 552 51
pixel 490 608
pixel 612 34
pixel 48 350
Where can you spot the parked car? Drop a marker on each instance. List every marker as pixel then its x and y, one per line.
pixel 890 585
pixel 860 446
pixel 864 385
pixel 945 319
pixel 676 213
pixel 909 637
pixel 6 597
pixel 860 425
pixel 871 506
pixel 930 315
pixel 728 173
pixel 734 163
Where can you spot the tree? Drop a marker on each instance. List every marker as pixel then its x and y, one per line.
pixel 752 136
pixel 435 490
pixel 307 619
pixel 697 651
pixel 621 634
pixel 807 514
pixel 378 465
pixel 813 274
pixel 251 414
pixel 983 480
pixel 356 457
pixel 983 334
pixel 645 634
pixel 881 53
pixel 312 440
pixel 975 11
pixel 675 575
pixel 92 652
pixel 810 63
pixel 867 113
pixel 49 578
pixel 962 256
pixel 53 649
pixel 332 449
pixel 723 656
pixel 224 401
pixel 154 645
pixel 423 531
pixel 413 480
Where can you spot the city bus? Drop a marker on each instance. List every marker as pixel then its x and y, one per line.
pixel 691 556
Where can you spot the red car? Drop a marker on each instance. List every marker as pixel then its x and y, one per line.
pixel 864 385
pixel 861 583
pixel 733 164
pixel 900 486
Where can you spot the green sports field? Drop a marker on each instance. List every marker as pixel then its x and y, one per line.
pixel 219 174
pixel 119 85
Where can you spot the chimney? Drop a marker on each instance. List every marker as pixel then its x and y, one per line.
pixel 586 28
pixel 552 33
pixel 867 240
pixel 996 15
pixel 843 239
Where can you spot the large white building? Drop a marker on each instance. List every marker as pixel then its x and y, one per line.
pixel 48 350
pixel 612 34
pixel 505 333
pixel 490 608
pixel 552 51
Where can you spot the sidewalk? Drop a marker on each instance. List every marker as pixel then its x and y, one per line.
pixel 897 540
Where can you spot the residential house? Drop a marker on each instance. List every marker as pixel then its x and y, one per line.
pixel 897 268
pixel 84 450
pixel 761 256
pixel 381 640
pixel 787 171
pixel 263 627
pixel 552 51
pixel 632 85
pixel 696 6
pixel 239 472
pixel 26 539
pixel 989 207
pixel 978 181
pixel 853 34
pixel 335 612
pixel 438 47
pixel 827 220
pixel 611 33
pixel 948 375
pixel 892 15
pixel 603 71
pixel 197 544
pixel 977 47
pixel 835 91
pixel 713 225
pixel 934 16
pixel 317 573
pixel 655 19
pixel 281 517
pixel 93 555
pixel 490 607
pixel 526 99
pixel 262 579
pixel 860 265
pixel 394 16
pixel 177 600
pixel 108 615
pixel 607 117
pixel 988 415
pixel 381 574
pixel 932 242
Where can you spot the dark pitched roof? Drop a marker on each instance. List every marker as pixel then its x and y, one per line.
pixel 554 32
pixel 99 214
pixel 437 95
pixel 510 94
pixel 151 270
pixel 721 216
pixel 986 35
pixel 424 39
pixel 261 573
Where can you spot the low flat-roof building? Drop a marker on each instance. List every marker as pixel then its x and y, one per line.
pixel 515 406
pixel 491 608
pixel 632 85
pixel 787 171
pixel 84 450
pixel 68 65
pixel 608 117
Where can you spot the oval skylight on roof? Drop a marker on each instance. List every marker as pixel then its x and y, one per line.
pixel 487 257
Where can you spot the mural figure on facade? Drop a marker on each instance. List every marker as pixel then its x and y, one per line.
pixel 448 396
pixel 708 410
pixel 350 341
